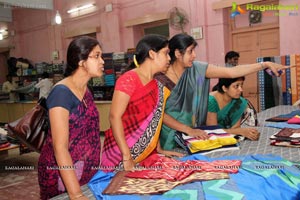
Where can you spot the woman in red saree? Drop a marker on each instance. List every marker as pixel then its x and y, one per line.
pixel 137 108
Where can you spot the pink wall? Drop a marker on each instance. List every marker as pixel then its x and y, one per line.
pixel 32 35
pixel 39 30
pixel 39 33
pixel 289 33
pixel 36 36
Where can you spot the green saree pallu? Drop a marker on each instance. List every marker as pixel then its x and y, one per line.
pixel 187 102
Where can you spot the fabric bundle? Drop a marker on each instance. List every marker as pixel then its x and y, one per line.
pixel 294 120
pixel 287 137
pixel 158 174
pixel 259 177
pixel 219 140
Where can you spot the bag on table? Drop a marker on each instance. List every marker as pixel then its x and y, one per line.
pixel 31 129
pixel 249 117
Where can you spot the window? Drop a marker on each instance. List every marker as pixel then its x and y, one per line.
pixel 160 29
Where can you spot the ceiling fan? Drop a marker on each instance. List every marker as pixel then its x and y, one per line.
pixel 178 18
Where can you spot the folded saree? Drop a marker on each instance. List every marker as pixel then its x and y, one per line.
pixel 259 177
pixel 218 139
pixel 161 167
pixel 286 137
pixel 203 145
pixel 159 174
pixel 121 184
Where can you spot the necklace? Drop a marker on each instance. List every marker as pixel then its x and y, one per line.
pixel 80 95
pixel 175 73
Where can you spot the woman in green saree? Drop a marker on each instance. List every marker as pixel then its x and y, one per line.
pixel 188 81
pixel 226 107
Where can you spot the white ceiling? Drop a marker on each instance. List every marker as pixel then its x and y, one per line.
pixel 35 4
pixel 6 7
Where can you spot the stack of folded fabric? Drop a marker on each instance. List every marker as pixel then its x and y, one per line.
pixel 109 78
pixel 283 117
pixel 120 61
pixel 219 140
pixel 290 120
pixel 287 137
pixel 109 71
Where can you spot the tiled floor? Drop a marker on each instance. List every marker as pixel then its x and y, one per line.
pixel 18 176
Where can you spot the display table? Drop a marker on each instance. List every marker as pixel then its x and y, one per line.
pixel 4 151
pixel 262 146
pixel 11 111
pixel 247 147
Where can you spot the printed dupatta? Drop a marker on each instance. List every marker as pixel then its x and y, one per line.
pixel 142 122
pixel 187 102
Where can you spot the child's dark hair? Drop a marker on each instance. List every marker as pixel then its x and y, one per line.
pixel 149 42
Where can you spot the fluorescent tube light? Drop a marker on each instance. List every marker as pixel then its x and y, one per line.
pixel 80 8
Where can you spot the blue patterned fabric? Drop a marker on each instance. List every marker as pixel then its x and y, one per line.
pixel 260 177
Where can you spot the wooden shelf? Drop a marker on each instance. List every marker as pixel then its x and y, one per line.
pixel 11 146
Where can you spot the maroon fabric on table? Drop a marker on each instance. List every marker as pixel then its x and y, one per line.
pixel 120 184
pixel 157 167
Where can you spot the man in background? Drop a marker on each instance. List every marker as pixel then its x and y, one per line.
pixel 8 87
pixel 232 59
pixel 45 85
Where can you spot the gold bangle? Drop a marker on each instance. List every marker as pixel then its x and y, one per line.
pixel 127 159
pixel 78 196
pixel 262 65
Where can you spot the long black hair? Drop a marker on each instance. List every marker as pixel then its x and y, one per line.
pixel 149 42
pixel 181 42
pixel 79 49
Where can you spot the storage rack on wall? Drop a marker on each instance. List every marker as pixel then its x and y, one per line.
pixel 26 76
pixel 114 65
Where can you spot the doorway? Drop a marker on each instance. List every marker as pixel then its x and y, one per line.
pixel 251 45
pixel 3 66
